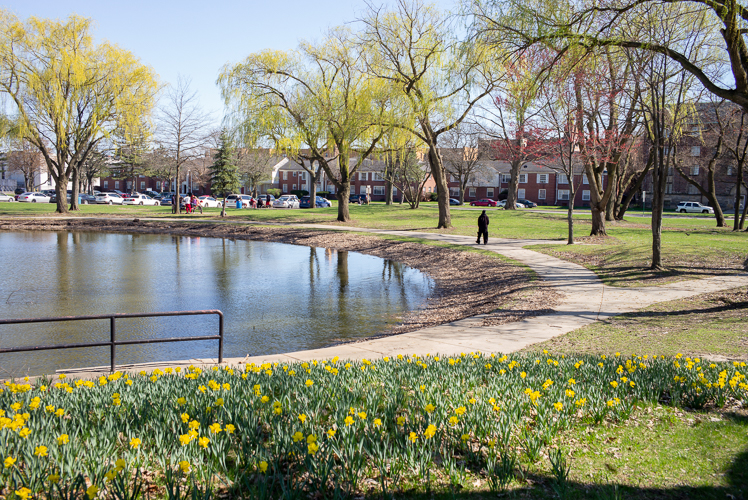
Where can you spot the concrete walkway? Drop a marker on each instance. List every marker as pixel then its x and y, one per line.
pixel 585 300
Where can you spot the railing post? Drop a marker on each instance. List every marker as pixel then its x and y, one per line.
pixel 220 340
pixel 112 347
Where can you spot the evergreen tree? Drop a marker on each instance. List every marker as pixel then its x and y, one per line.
pixel 224 177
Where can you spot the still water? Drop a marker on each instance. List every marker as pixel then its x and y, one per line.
pixel 275 297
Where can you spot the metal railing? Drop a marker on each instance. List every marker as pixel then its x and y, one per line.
pixel 113 342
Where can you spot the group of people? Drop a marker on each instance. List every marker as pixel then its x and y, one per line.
pixel 191 203
pixel 262 202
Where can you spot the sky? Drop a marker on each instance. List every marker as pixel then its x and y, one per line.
pixel 195 39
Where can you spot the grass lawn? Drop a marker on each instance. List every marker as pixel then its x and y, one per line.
pixel 692 246
pixel 709 324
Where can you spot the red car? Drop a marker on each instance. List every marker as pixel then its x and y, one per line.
pixel 483 203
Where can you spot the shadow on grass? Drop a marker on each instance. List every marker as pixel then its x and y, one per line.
pixel 643 274
pixel 545 486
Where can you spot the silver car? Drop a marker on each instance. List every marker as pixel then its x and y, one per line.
pixel 109 199
pixel 693 207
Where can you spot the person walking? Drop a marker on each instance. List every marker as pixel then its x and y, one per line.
pixel 196 204
pixel 483 228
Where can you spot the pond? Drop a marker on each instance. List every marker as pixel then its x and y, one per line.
pixel 275 297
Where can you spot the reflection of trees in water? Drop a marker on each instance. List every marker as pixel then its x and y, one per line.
pixel 394 273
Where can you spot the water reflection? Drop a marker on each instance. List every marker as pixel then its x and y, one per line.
pixel 275 297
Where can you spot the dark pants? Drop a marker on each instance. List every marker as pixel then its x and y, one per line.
pixel 485 237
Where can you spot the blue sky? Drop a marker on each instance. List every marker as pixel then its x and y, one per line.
pixel 196 38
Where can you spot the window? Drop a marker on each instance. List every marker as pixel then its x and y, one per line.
pixel 285 175
pixel 542 178
pixel 116 184
pixel 293 188
pixel 669 188
pixel 489 193
pixel 693 189
pixel 158 185
pixel 363 176
pixel 394 191
pixel 563 179
pixel 523 178
pixel 505 178
pixel 294 174
pixel 302 175
pixel 106 184
pixel 471 192
pixel 521 194
pixel 454 192
pixel 285 187
pixel 379 190
pixel 585 180
pixel 142 185
pixel 362 189
pixel 695 150
pixel 376 176
pixel 586 195
pixel 730 171
pixel 695 170
pixel 563 194
pixel 129 185
pixel 541 194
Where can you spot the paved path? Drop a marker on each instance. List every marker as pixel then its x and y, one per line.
pixel 585 300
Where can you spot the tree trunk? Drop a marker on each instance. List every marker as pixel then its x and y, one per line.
pixel 344 191
pixel 511 196
pixel 76 190
pixel 736 224
pixel 442 187
pixel 570 219
pixel 598 220
pixel 610 206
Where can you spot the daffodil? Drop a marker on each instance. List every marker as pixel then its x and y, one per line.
pixel 40 451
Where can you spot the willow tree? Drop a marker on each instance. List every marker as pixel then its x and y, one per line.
pixel 69 93
pixel 314 103
pixel 436 77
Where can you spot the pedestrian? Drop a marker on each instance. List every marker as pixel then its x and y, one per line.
pixel 267 201
pixel 196 204
pixel 254 202
pixel 187 204
pixel 483 228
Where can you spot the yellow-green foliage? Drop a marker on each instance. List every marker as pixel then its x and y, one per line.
pixel 68 91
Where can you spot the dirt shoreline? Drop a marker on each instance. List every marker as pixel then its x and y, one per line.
pixel 466 284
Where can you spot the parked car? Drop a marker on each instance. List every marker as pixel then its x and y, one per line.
pixel 518 204
pixel 87 199
pixel 140 199
pixel 287 201
pixel 210 202
pixel 454 201
pixel 33 198
pixel 528 203
pixel 7 197
pixel 109 199
pixel 232 198
pixel 19 191
pixel 319 202
pixel 693 207
pixel 483 203
pixel 354 198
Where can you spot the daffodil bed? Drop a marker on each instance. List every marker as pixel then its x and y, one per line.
pixel 321 429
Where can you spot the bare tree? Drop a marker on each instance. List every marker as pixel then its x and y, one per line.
pixel 462 152
pixel 255 165
pixel 94 166
pixel 183 129
pixel 25 158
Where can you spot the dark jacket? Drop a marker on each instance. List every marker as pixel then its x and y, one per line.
pixel 483 222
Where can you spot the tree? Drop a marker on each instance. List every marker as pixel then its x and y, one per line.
pixel 24 157
pixel 96 164
pixel 255 165
pixel 409 175
pixel 161 164
pixel 183 129
pixel 436 78
pixel 224 178
pixel 315 104
pixel 734 125
pixel 69 93
pixel 462 152
pixel 708 136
